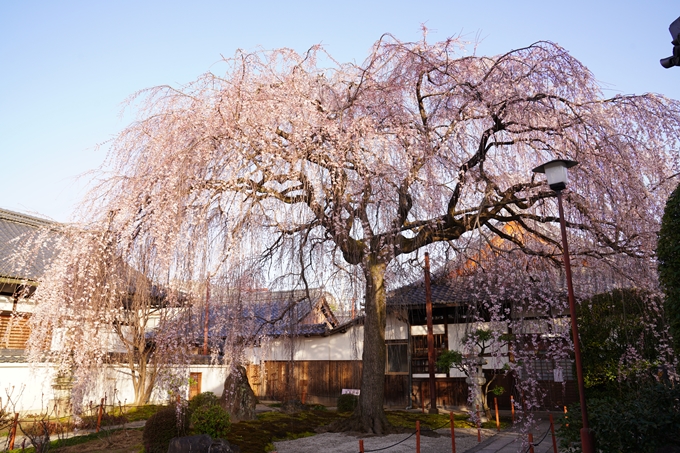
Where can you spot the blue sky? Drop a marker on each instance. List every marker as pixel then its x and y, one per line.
pixel 67 66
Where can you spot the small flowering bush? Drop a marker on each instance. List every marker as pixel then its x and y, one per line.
pixel 212 420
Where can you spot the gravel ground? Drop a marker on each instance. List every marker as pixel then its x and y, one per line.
pixel 349 443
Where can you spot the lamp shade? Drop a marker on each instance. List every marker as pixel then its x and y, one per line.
pixel 556 172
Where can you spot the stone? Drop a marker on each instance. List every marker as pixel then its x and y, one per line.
pixel 292 407
pixel 201 444
pixel 238 397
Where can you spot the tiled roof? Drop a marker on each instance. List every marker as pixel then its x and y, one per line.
pixel 442 294
pixel 272 313
pixel 15 228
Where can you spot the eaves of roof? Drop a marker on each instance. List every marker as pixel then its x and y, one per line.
pixel 14 229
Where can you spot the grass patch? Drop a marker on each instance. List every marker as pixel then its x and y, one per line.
pixel 64 444
pixel 430 421
pixel 257 436
pixel 142 412
pixel 491 424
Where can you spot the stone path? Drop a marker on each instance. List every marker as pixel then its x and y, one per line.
pixel 512 441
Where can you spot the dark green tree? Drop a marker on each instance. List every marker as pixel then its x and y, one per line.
pixel 668 254
pixel 610 324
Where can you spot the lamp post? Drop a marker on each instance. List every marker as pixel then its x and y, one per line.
pixel 556 173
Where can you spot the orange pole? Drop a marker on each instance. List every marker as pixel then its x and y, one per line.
pixel 417 436
pixel 13 432
pixel 498 420
pixel 453 434
pixel 531 443
pixel 512 408
pixel 552 431
pixel 361 445
pixel 99 417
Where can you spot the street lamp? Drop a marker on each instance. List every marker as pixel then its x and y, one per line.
pixel 556 173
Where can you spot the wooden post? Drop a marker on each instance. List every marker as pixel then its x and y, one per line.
pixel 531 443
pixel 453 433
pixel 303 391
pixel 13 431
pixel 417 436
pixel 498 420
pixel 479 427
pixel 99 416
pixel 430 338
pixel 512 408
pixel 361 445
pixel 552 431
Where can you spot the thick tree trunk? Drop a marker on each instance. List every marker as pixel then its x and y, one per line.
pixel 369 415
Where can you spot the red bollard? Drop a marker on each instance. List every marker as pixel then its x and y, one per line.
pixel 417 436
pixel 531 443
pixel 552 431
pixel 361 446
pixel 453 434
pixel 13 432
pixel 498 420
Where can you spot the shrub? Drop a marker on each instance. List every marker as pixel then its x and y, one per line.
pixel 347 403
pixel 162 427
pixel 212 420
pixel 634 422
pixel 203 399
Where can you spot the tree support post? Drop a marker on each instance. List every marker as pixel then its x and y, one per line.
pixel 430 338
pixel 13 432
pixel 99 415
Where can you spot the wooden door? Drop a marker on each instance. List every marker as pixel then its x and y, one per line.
pixel 194 384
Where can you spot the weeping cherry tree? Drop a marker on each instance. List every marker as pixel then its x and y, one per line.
pixel 312 165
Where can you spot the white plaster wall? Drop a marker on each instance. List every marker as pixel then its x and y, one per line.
pixel 212 378
pixel 437 329
pixel 396 329
pixel 106 336
pixel 29 388
pixel 23 305
pixel 339 346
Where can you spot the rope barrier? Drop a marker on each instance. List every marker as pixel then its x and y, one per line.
pixel 411 435
pixel 536 444
pixel 393 445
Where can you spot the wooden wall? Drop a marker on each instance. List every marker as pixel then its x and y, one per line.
pixel 320 381
pixel 14 331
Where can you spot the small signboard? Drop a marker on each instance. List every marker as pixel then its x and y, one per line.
pixel 351 392
pixel 558 375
